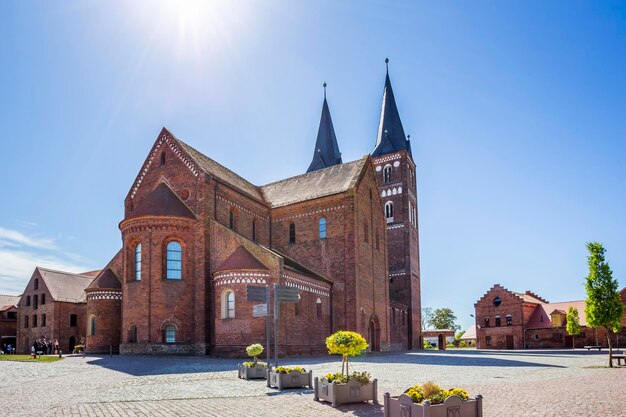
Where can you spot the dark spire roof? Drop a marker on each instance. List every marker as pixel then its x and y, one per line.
pixel 326 152
pixel 162 201
pixel 391 137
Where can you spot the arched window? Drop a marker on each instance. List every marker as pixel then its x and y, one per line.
pixel 169 334
pixel 292 233
pixel 387 174
pixel 174 260
pixel 163 158
pixel 91 331
pixel 509 320
pixel 228 305
pixel 389 211
pixel 36 285
pixel 231 220
pixel 322 227
pixel 35 301
pixel 254 230
pixel 318 306
pixel 28 301
pixel 132 334
pixel 43 298
pixel 138 262
pixel 497 320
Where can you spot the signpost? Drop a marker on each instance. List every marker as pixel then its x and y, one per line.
pixel 282 294
pixel 259 293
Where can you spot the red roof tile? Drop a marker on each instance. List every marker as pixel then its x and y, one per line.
pixel 241 259
pixel 106 279
pixel 161 202
pixel 544 311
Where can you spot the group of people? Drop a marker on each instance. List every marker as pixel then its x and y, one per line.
pixel 7 349
pixel 46 347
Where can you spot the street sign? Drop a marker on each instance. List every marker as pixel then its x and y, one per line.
pixel 259 310
pixel 255 293
pixel 286 294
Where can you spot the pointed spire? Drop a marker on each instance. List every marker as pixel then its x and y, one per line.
pixel 326 151
pixel 391 137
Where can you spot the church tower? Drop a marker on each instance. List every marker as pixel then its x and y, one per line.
pixel 395 175
pixel 326 151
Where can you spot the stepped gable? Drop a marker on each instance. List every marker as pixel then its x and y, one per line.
pixel 531 297
pixel 65 286
pixel 543 311
pixel 501 288
pixel 241 259
pixel 320 183
pixel 162 201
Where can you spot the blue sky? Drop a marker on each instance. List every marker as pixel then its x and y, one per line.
pixel 515 111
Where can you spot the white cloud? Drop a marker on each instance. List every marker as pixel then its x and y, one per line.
pixel 14 238
pixel 21 253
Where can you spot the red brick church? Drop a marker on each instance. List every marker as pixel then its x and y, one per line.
pixel 195 234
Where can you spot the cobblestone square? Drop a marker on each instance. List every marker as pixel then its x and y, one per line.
pixel 513 383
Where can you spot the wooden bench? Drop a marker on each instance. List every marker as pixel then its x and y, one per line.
pixel 593 347
pixel 620 359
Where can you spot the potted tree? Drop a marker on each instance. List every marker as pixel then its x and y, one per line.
pixel 254 369
pixel 345 387
pixel 430 400
pixel 282 377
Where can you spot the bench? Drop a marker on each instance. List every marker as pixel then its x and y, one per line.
pixel 620 359
pixel 593 347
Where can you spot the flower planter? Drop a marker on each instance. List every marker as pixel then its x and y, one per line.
pixel 352 392
pixel 294 379
pixel 453 406
pixel 256 372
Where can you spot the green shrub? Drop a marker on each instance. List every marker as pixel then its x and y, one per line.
pixel 340 378
pixel 433 393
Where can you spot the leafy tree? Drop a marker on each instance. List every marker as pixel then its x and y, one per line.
pixel 346 344
pixel 573 324
pixel 427 315
pixel 604 308
pixel 444 318
pixel 254 350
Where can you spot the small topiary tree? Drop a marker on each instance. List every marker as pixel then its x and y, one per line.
pixel 573 324
pixel 346 344
pixel 253 351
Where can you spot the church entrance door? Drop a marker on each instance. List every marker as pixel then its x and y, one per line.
pixel 374 334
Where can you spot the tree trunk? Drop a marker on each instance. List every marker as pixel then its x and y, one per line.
pixel 573 342
pixel 608 338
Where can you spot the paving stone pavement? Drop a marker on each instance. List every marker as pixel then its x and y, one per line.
pixel 513 383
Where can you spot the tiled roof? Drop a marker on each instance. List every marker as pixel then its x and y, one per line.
pixel 213 168
pixel 241 259
pixel 296 266
pixel 162 201
pixel 544 310
pixel 65 286
pixel 8 301
pixel 470 333
pixel 323 182
pixel 106 279
pixel 92 274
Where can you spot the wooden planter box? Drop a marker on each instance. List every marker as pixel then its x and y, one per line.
pixel 352 392
pixel 294 379
pixel 257 372
pixel 453 406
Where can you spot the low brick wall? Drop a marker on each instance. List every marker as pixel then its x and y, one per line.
pixel 162 349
